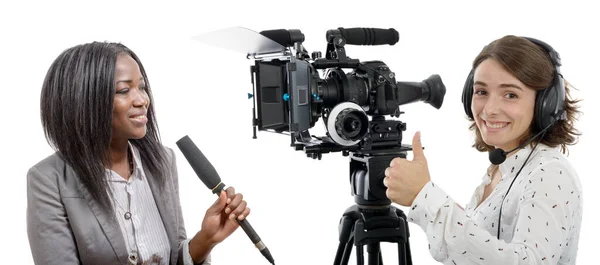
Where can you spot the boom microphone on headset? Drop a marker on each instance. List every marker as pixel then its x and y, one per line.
pixel 497 156
pixel 207 173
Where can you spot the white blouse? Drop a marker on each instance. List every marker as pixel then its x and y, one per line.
pixel 541 215
pixel 143 228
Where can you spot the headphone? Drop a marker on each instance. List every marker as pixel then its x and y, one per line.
pixel 549 108
pixel 549 102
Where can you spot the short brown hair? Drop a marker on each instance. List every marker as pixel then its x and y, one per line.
pixel 531 64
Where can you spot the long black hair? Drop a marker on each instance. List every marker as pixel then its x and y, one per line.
pixel 77 112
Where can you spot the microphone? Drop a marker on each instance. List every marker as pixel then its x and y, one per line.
pixel 497 156
pixel 207 173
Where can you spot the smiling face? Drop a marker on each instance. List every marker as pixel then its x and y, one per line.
pixel 130 102
pixel 502 106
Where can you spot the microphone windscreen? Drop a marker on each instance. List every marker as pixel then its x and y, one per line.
pixel 497 156
pixel 203 168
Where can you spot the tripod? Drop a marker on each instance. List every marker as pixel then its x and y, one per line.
pixel 372 220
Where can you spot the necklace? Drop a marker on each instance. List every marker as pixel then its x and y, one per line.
pixel 133 257
pixel 127 214
pixel 130 160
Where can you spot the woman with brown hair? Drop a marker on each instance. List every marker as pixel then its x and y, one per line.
pixel 528 209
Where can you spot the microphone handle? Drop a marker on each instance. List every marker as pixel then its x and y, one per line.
pixel 251 233
pixel 249 230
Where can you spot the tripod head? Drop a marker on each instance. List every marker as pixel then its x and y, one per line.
pixel 367 174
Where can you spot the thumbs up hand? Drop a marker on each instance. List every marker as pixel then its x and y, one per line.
pixel 404 179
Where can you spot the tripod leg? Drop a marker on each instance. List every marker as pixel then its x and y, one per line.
pixel 348 251
pixel 404 254
pixel 340 253
pixel 374 253
pixel 401 253
pixel 345 246
pixel 360 259
pixel 408 256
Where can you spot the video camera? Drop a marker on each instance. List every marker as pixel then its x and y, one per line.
pixel 290 95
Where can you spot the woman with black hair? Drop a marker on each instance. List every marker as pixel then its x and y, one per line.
pixel 109 194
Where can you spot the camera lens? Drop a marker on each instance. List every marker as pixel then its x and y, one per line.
pixel 351 124
pixel 347 124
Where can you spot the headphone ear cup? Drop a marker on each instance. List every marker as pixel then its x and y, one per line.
pixel 546 108
pixel 467 95
pixel 550 104
pixel 561 96
pixel 539 110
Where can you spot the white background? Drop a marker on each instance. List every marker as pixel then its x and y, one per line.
pixel 201 91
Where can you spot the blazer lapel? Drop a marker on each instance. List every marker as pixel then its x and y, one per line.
pixel 109 225
pixel 165 208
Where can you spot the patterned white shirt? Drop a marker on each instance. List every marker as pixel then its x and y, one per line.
pixel 144 230
pixel 541 215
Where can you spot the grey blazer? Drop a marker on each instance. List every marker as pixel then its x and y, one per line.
pixel 65 226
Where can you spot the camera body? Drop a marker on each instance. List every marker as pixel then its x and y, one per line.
pixel 290 96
